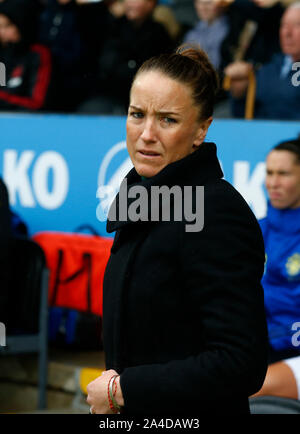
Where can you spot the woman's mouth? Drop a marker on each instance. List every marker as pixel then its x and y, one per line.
pixel 149 154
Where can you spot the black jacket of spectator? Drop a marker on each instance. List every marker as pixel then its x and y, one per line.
pixel 126 47
pixel 28 65
pixel 28 74
pixel 59 31
pixel 265 40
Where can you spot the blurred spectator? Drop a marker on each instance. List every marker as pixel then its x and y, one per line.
pixel 132 38
pixel 5 236
pixel 281 280
pixel 94 20
pixel 254 29
pixel 211 29
pixel 229 30
pixel 277 94
pixel 28 67
pixel 162 13
pixel 59 30
pixel 184 12
pixel 216 20
pixel 257 38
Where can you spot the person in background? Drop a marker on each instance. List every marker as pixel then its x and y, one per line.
pixel 281 280
pixel 184 326
pixel 217 20
pixel 27 65
pixel 211 29
pixel 164 14
pixel 59 30
pixel 257 38
pixel 277 91
pixel 131 40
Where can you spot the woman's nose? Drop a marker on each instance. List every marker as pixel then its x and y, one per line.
pixel 149 131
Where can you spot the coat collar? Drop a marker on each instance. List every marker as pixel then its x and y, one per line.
pixel 195 169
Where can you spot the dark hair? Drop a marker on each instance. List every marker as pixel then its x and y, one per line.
pixel 189 65
pixel 292 145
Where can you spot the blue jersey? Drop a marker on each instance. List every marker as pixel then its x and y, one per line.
pixel 281 280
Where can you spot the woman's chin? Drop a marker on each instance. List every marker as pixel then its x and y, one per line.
pixel 147 172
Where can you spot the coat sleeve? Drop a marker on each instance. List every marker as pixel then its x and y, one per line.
pixel 222 266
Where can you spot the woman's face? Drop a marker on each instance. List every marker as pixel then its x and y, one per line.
pixel 163 123
pixel 283 179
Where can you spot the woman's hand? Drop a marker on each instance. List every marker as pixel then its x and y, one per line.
pixel 98 393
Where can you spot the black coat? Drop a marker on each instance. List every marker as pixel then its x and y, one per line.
pixel 183 318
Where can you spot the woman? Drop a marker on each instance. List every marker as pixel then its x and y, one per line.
pixel 281 280
pixel 183 325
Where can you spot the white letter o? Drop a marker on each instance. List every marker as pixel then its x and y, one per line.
pixel 55 198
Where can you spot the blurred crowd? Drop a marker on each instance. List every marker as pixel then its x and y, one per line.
pixel 79 56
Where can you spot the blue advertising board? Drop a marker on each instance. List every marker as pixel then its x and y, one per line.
pixel 53 165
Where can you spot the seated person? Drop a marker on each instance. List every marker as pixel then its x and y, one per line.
pixel 59 30
pixel 281 280
pixel 211 29
pixel 131 40
pixel 276 95
pixel 27 66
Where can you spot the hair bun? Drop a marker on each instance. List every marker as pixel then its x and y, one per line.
pixel 193 51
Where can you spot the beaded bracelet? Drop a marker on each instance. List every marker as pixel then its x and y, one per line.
pixel 114 406
pixel 113 394
pixel 111 405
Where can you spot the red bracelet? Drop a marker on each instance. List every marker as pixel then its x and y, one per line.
pixel 113 406
pixel 115 384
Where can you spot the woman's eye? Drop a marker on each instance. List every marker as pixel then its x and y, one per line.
pixel 168 120
pixel 136 115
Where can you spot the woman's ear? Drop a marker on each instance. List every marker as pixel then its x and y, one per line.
pixel 202 131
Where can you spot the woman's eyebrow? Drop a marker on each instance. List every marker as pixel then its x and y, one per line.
pixel 134 107
pixel 160 112
pixel 167 112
